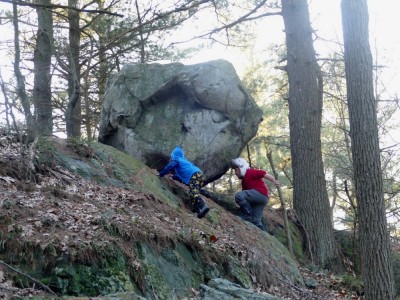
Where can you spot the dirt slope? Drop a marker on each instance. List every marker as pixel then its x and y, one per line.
pixel 54 209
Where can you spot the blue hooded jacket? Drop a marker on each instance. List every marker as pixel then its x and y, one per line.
pixel 183 168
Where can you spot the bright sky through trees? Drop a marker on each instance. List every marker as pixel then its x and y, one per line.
pixel 326 20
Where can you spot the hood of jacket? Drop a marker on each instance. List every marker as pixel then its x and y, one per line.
pixel 177 153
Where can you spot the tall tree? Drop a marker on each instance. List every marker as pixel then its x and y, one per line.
pixel 42 75
pixel 21 91
pixel 73 113
pixel 374 239
pixel 310 198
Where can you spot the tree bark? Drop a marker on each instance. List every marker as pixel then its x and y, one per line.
pixel 86 97
pixel 310 198
pixel 73 116
pixel 141 36
pixel 104 65
pixel 42 75
pixel 377 270
pixel 21 91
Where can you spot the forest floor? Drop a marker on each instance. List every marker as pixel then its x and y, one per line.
pixel 21 181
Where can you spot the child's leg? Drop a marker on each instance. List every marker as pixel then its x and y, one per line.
pixel 258 201
pixel 251 203
pixel 241 199
pixel 195 185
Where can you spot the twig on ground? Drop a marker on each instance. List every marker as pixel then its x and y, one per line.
pixel 31 278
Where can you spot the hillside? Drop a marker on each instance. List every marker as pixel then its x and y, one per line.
pixel 86 220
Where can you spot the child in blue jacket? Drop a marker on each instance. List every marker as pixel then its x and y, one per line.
pixel 191 175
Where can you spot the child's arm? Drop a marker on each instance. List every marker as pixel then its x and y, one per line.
pixel 172 164
pixel 272 179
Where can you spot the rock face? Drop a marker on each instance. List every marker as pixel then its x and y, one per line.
pixel 204 108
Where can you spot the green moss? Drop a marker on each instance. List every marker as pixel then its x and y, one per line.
pixel 106 165
pixel 96 270
pixel 125 168
pixel 91 280
pixel 111 155
pixel 239 274
pixel 154 283
pixel 348 282
pixel 105 276
pixel 297 241
pixel 187 260
pixel 45 153
pixel 81 146
pixel 213 216
pixel 171 273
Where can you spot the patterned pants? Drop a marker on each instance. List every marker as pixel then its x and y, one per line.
pixel 195 185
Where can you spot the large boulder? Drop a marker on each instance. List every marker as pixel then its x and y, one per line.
pixel 149 109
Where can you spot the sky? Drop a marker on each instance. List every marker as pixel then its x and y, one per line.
pixel 326 19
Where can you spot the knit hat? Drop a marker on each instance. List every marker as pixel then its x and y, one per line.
pixel 241 164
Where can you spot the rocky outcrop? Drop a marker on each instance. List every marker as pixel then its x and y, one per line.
pixel 119 228
pixel 151 108
pixel 223 289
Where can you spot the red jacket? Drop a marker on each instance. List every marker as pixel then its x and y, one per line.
pixel 253 179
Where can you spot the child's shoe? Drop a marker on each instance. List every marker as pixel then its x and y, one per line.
pixel 203 209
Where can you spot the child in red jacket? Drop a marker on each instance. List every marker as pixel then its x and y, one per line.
pixel 254 195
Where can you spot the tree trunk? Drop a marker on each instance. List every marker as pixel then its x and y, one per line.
pixel 310 201
pixel 103 63
pixel 374 239
pixel 42 77
pixel 142 41
pixel 21 91
pixel 86 97
pixel 73 115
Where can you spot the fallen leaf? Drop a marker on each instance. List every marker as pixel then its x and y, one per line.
pixel 213 238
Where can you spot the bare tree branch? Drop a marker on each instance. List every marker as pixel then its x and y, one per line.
pixel 23 3
pixel 31 278
pixel 246 17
